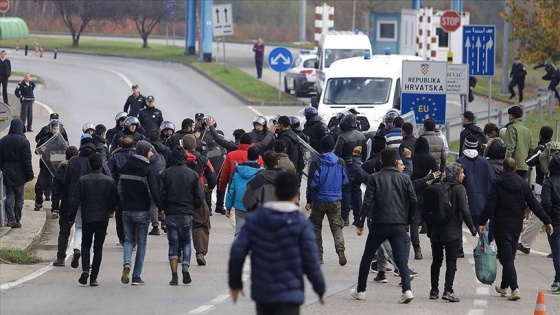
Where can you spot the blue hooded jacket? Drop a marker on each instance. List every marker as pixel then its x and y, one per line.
pixel 327 176
pixel 242 175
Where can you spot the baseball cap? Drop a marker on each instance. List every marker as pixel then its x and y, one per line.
pixel 516 58
pixel 150 99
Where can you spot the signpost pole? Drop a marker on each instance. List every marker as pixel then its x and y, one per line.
pixel 489 96
pixel 224 42
pixel 279 87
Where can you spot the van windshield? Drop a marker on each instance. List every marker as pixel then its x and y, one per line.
pixel 332 55
pixel 357 91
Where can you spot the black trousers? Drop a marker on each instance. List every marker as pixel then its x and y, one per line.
pixel 119 225
pixel 63 234
pixel 26 114
pixel 90 230
pixel 277 309
pixel 451 251
pixel 520 87
pixel 259 65
pixel 4 83
pixel 507 247
pixel 43 185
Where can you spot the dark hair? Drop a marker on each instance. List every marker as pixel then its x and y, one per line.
pixel 509 165
pixel 398 122
pixel 546 133
pixel 95 161
pixel 100 129
pixel 252 154
pixel 284 121
pixel 279 146
pixel 187 123
pixel 245 139
pixel 135 86
pixel 127 142
pixel 85 141
pixel 430 124
pixel 270 159
pixel 469 116
pixel 286 186
pixel 70 152
pixel 237 133
pixel 489 127
pixel 407 128
pixel 388 157
pixel 516 111
pixel 154 135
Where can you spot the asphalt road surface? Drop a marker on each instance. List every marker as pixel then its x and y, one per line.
pixel 88 88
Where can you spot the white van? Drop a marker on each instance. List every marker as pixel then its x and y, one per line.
pixel 371 86
pixel 335 45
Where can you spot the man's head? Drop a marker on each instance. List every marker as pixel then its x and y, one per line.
pixel 407 129
pixel 237 133
pixel 95 162
pixel 85 139
pixel 515 112
pixel 154 135
pixel 491 130
pixel 509 165
pixel 546 133
pixel 253 154
pixel 70 152
pixel 270 159
pixel 131 124
pixel 517 60
pixel 468 118
pixel 127 142
pixel 150 101
pixel 286 187
pixel 284 122
pixel 259 41
pixel 100 130
pixel 279 146
pixel 3 54
pixel 187 124
pixel 135 90
pixel 189 142
pixel 429 124
pixel 327 144
pixel 27 77
pixel 398 122
pixel 144 148
pixel 389 157
pixel 245 139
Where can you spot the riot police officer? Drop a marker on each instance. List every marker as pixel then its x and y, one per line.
pixel 150 117
pixel 387 122
pixel 552 75
pixel 166 130
pixel 517 75
pixel 314 127
pixel 119 125
pixel 259 132
pixel 131 127
pixel 296 127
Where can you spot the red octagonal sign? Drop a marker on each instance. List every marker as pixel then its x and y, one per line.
pixel 4 6
pixel 450 21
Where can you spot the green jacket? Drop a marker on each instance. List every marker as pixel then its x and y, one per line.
pixel 518 143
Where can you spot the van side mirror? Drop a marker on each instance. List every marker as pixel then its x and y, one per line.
pixel 314 102
pixel 316 65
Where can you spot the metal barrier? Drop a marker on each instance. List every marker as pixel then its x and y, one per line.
pixel 2 200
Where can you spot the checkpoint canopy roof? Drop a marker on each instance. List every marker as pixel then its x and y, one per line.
pixel 13 28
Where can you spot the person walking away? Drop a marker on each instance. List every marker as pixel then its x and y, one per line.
pixel 135 102
pixel 282 246
pixel 96 195
pixel 314 127
pixel 284 162
pixel 258 49
pixel 61 205
pixel 445 227
pixel 260 189
pixel 506 204
pixel 408 138
pixel 552 75
pixel 395 136
pixel 242 174
pixel 15 163
pixel 389 204
pixel 293 148
pixel 470 128
pixel 550 201
pixel 518 140
pixel 24 91
pixel 328 179
pixel 137 187
pixel 181 194
pixel 436 143
pixel 5 73
pixel 150 117
pixel 495 153
pixel 517 76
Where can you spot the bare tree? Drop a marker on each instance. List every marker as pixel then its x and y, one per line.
pixel 77 14
pixel 145 14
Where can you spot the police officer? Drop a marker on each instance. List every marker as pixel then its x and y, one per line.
pixel 131 127
pixel 150 117
pixel 314 127
pixel 135 102
pixel 166 130
pixel 259 132
pixel 517 75
pixel 552 75
pixel 44 180
pixel 296 127
pixel 46 129
pixel 388 120
pixel 119 125
pixel 88 128
pixel 24 91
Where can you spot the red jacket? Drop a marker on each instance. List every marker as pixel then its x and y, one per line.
pixel 239 156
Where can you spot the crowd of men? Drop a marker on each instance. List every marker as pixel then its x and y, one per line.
pixel 145 172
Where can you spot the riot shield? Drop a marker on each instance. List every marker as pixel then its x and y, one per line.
pixel 309 155
pixel 410 117
pixel 53 152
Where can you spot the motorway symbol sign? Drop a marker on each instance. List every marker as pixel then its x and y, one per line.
pixel 479 49
pixel 457 79
pixel 450 21
pixel 222 19
pixel 4 6
pixel 424 88
pixel 280 59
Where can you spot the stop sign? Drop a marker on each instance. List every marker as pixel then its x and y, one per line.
pixel 4 6
pixel 450 21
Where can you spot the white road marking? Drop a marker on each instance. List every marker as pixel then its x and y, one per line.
pixel 120 75
pixel 201 309
pixel 480 302
pixel 220 298
pixel 476 312
pixel 46 107
pixel 255 111
pixel 539 253
pixel 482 291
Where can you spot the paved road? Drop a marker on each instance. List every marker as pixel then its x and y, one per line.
pixel 85 88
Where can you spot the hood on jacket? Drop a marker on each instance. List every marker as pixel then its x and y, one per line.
pixel 328 158
pixel 243 146
pixel 451 173
pixel 270 174
pixel 16 127
pixel 313 120
pixel 158 146
pixel 63 164
pixel 509 182
pixel 348 122
pixel 421 146
pixel 138 162
pixel 281 206
pixel 554 166
pixel 474 129
pixel 178 156
pixel 495 149
pixel 87 149
pixel 248 169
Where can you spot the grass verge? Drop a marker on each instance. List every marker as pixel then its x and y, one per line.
pixel 29 191
pixel 18 256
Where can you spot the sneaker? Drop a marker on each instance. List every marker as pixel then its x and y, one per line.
pixel 418 253
pixel 59 263
pixel 137 281
pixel 461 254
pixel 555 286
pixel 83 278
pixel 54 215
pixel 515 295
pixel 450 296
pixel 380 278
pixel 76 258
pixel 357 295
pixel 523 249
pixel 406 297
pixel 221 211
pixel 154 231
pixel 434 295
pixel 373 267
pixel 38 206
pixel 342 258
pixel 346 222
pixel 413 274
pixel 186 277
pixel 200 259
pixel 502 292
pixel 549 255
pixel 93 283
pixel 125 278
pixel 174 279
pixel 17 225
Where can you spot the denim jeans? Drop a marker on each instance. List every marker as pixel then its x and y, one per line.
pixel 78 230
pixel 240 216
pixel 179 229
pixel 14 202
pixel 135 223
pixel 554 241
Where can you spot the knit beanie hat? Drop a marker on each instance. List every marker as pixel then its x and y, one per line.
pixel 189 142
pixel 245 139
pixel 143 147
pixel 327 144
pixel 471 142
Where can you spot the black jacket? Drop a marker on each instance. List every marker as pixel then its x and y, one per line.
pixel 15 156
pixel 349 139
pixel 118 160
pixel 518 73
pixel 533 160
pixel 293 148
pixel 181 190
pixel 177 139
pixel 261 189
pixel 150 118
pixel 136 136
pixel 138 185
pixel 96 195
pixel 257 137
pixel 78 166
pixel 315 129
pixel 550 195
pixel 163 150
pixel 470 129
pixel 389 198
pixel 101 146
pixel 5 68
pixel 133 105
pixel 203 167
pixel 408 142
pixel 110 135
pixel 45 130
pixel 506 202
pixel 60 200
pixel 423 163
pixel 24 91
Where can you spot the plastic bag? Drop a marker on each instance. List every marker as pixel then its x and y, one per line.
pixel 484 261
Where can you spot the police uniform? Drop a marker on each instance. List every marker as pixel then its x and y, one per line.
pixel 517 75
pixel 134 104
pixel 150 118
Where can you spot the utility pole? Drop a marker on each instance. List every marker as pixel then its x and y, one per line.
pixel 505 51
pixel 302 20
pixel 354 16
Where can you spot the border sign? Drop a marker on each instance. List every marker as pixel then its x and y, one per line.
pixel 424 88
pixel 457 79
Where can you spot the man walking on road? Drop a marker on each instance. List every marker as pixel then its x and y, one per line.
pixel 258 49
pixel 135 102
pixel 5 73
pixel 518 140
pixel 24 91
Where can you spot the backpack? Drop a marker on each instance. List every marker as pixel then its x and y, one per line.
pixel 157 162
pixel 551 149
pixel 437 203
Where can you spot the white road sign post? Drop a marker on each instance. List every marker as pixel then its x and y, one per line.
pixel 458 82
pixel 222 23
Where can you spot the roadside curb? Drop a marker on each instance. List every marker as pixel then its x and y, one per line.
pixel 31 231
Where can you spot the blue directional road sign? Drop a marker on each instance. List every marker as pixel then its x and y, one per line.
pixel 479 49
pixel 425 106
pixel 280 59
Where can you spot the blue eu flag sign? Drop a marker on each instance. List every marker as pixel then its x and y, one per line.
pixel 425 106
